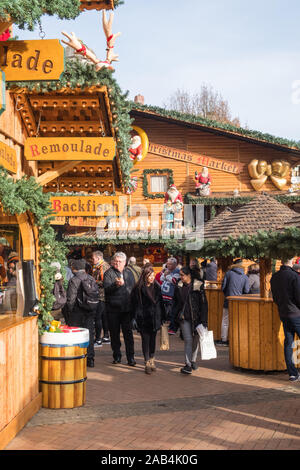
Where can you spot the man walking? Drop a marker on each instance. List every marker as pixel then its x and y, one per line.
pixel 285 286
pixel 168 280
pixel 82 302
pixel 99 268
pixel 118 284
pixel 134 268
pixel 235 282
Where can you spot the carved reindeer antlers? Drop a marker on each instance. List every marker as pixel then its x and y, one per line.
pixel 110 41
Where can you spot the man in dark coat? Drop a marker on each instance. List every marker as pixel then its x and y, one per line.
pixel 236 283
pixel 212 270
pixel 118 283
pixel 78 316
pixel 285 286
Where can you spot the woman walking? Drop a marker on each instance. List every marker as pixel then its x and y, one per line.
pixel 190 310
pixel 148 314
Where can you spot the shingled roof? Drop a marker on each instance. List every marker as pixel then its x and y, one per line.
pixel 262 213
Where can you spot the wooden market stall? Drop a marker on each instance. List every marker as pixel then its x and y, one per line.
pixel 255 333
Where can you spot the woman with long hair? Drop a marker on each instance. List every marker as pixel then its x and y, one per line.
pixel 148 314
pixel 190 309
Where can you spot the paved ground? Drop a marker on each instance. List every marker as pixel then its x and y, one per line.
pixel 217 407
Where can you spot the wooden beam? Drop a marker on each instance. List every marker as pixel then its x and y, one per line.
pixel 58 171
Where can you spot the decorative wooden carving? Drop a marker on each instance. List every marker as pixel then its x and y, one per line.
pixel 260 170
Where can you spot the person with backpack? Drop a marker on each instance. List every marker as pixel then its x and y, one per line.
pixel 82 302
pixel 60 297
pixel 99 268
pixel 118 284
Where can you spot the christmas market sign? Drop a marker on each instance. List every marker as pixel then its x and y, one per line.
pixel 8 158
pixel 99 206
pixel 2 92
pixel 195 158
pixel 69 148
pixel 32 60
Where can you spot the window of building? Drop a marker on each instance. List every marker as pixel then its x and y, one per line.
pixel 158 184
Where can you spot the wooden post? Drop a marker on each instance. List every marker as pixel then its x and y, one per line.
pixel 223 265
pixel 265 273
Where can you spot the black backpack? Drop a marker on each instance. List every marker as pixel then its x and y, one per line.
pixel 88 296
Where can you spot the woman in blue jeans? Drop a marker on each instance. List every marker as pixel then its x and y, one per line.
pixel 190 309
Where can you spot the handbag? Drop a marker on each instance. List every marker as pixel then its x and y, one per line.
pixel 207 345
pixel 164 338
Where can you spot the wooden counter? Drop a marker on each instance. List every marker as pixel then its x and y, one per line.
pixel 256 336
pixel 215 300
pixel 19 385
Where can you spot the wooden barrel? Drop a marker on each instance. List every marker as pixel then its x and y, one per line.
pixel 215 300
pixel 63 368
pixel 256 336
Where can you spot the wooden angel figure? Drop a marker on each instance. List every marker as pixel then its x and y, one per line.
pixel 178 215
pixel 80 48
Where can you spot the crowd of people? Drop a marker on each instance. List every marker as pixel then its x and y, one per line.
pixel 121 296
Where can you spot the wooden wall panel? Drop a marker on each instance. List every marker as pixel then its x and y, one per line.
pixel 18 367
pixel 198 141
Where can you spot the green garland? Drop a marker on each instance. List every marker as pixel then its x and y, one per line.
pixel 76 241
pixel 156 171
pixel 237 200
pixel 79 74
pixel 27 13
pixel 191 118
pixel 18 197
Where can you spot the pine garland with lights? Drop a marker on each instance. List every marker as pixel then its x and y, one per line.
pixel 18 197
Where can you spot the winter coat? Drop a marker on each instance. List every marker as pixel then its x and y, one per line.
pixel 118 298
pixel 60 295
pixel 285 286
pixel 136 271
pixel 148 312
pixel 168 281
pixel 211 271
pixel 72 291
pixel 235 282
pixel 254 282
pixel 197 303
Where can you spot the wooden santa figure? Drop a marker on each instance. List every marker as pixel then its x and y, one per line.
pixel 173 195
pixel 202 182
pixel 136 150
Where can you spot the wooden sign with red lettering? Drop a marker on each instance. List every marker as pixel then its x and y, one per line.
pixel 70 148
pixel 32 60
pixel 196 158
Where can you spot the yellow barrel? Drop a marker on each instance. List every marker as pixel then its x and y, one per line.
pixel 63 368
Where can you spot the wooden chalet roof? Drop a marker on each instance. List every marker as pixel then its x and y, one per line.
pixel 221 128
pixel 262 213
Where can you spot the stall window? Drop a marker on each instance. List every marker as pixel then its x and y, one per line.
pixel 158 184
pixel 10 290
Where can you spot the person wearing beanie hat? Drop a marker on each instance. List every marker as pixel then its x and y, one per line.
pixel 235 282
pixel 77 313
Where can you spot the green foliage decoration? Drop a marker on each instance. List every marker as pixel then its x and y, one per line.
pixel 27 13
pixel 155 172
pixel 18 197
pixel 80 74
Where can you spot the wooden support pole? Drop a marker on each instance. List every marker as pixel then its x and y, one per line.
pixel 53 174
pixel 265 273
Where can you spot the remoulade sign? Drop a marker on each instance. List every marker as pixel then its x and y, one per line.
pixel 2 92
pixel 195 158
pixel 69 148
pixel 8 158
pixel 32 60
pixel 99 206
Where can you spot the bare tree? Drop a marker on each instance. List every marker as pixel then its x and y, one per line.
pixel 206 103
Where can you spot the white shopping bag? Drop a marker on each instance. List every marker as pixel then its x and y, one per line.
pixel 207 345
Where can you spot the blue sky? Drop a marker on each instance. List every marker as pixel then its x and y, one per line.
pixel 249 51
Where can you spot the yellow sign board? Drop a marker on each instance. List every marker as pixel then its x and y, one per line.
pixel 70 148
pixel 32 60
pixel 2 92
pixel 8 158
pixel 99 206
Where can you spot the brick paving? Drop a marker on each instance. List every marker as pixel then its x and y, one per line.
pixel 217 408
